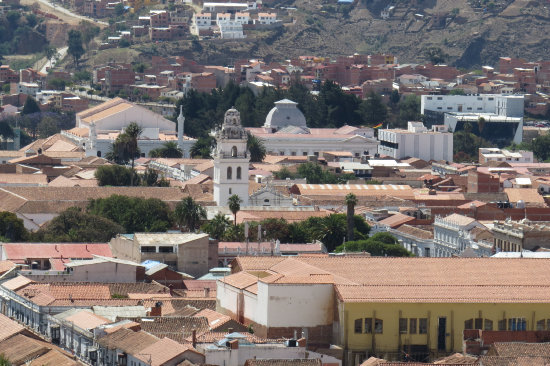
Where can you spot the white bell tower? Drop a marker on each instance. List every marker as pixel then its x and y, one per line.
pixel 231 160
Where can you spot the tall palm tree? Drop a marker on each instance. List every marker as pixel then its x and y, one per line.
pixel 218 226
pixel 256 147
pixel 188 214
pixel 351 201
pixel 234 203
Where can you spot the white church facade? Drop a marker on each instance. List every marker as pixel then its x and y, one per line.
pixel 98 127
pixel 285 133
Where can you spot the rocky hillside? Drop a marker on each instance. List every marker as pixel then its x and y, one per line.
pixel 470 32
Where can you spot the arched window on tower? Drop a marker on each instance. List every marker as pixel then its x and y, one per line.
pixel 239 172
pixel 234 152
pixel 229 172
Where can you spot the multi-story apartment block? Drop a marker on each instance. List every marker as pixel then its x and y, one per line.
pixel 417 142
pixel 159 18
pixel 242 17
pixel 487 154
pixel 231 30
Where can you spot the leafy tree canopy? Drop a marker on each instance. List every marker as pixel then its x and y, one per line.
pixel 12 227
pixel 74 225
pixel 378 245
pixel 133 213
pixel 114 175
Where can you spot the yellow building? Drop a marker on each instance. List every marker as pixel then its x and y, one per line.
pixel 420 306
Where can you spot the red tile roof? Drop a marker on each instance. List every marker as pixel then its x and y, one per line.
pixel 9 328
pixel 23 251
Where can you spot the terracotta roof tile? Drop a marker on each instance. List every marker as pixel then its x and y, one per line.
pixel 19 349
pixel 240 280
pixel 175 328
pixel 282 362
pixel 162 352
pixel 396 220
pixel 53 357
pixel 127 340
pixel 8 327
pixel 6 266
pixel 416 232
pixel 87 320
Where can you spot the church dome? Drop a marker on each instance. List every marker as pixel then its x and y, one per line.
pixel 285 113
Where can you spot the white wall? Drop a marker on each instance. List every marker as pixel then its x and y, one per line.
pixel 237 357
pixel 227 297
pixel 425 146
pixel 511 106
pixel 308 146
pixel 295 305
pixel 142 116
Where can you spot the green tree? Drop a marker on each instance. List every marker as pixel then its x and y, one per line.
pixel 4 361
pixel 435 55
pixel 83 75
pixel 541 147
pixel 88 32
pixel 135 214
pixel 6 131
pixel 234 203
pixel 409 109
pixel 331 231
pixel 30 107
pixel 47 127
pixel 119 9
pixel 256 147
pixel 188 214
pixel 466 145
pixel 113 175
pixel 394 97
pixel 351 201
pixel 56 84
pixel 150 178
pixel 373 110
pixel 75 45
pixel 380 244
pixel 457 92
pixel 12 227
pixel 203 148
pixel 283 173
pixel 50 53
pixel 217 227
pixel 125 148
pixel 169 149
pixel 73 225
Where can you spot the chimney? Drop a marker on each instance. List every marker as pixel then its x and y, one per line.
pixel 194 338
pixel 234 344
pixel 156 310
pixel 207 292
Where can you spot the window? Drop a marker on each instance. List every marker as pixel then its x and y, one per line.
pixel 491 98
pixel 423 325
pixel 304 153
pixel 402 325
pixel 293 153
pixel 488 324
pixel 234 152
pixel 148 249
pixel 517 324
pixel 429 98
pixel 478 323
pixel 502 324
pixel 229 172
pixel 439 107
pixel 378 325
pixel 239 172
pixel 230 191
pixel 166 249
pixel 358 325
pixel 368 325
pixel 99 154
pixel 469 324
pixel 439 98
pixel 449 108
pixel 412 326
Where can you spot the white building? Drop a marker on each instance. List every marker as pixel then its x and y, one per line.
pixel 495 154
pixel 98 127
pixel 222 18
pixel 231 160
pixel 28 88
pixel 201 21
pixel 285 133
pixel 231 30
pixel 242 17
pixel 433 107
pixel 416 142
pixel 266 18
pixel 454 234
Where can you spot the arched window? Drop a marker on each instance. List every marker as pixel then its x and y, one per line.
pixel 98 154
pixel 239 172
pixel 229 172
pixel 234 152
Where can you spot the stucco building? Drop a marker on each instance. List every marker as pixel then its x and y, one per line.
pixel 285 133
pixel 184 252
